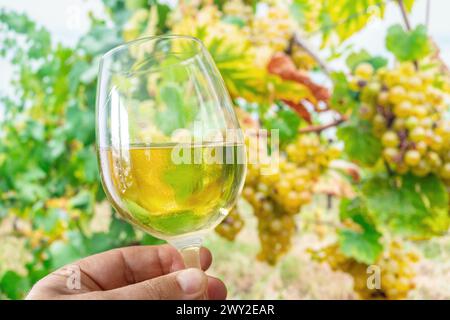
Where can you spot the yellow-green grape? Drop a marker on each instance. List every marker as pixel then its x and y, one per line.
pixel 383 98
pixel 434 160
pixel 397 94
pixel 403 108
pixel 445 171
pixel 379 124
pixel 417 134
pixel 364 71
pixel 272 29
pixel 422 147
pixel 302 59
pixel 238 8
pixel 411 122
pixel 412 158
pixel 407 112
pixel 391 154
pixel 276 197
pixel 390 139
pixel 366 111
pixel 231 225
pixel 421 169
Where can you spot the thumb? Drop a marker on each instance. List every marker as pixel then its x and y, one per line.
pixel 188 284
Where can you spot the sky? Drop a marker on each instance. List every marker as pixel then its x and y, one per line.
pixel 68 19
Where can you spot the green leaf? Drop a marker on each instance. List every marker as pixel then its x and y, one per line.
pixel 135 4
pixel 122 230
pixel 234 20
pixel 185 179
pixel 298 9
pixel 408 205
pixel 356 58
pixel 65 252
pixel 177 113
pixel 150 240
pixel 364 246
pixel 99 242
pixel 13 285
pixel 81 200
pixel 360 145
pixel 286 121
pixel 50 220
pixel 99 39
pixel 342 98
pixel 408 46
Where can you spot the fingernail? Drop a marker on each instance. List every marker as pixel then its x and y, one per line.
pixel 191 280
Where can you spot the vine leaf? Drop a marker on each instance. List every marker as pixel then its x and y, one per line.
pixel 360 145
pixel 342 99
pixel 286 121
pixel 13 285
pixel 408 45
pixel 362 245
pixel 408 205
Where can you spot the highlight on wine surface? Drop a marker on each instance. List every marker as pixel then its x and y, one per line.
pixel 171 153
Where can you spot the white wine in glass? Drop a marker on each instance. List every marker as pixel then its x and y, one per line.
pixel 171 153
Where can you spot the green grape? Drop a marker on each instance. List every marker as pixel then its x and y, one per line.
pixel 412 158
pixel 397 94
pixel 391 154
pixel 277 197
pixel 408 113
pixel 411 122
pixel 417 134
pixel 390 139
pixel 231 225
pixel 364 71
pixel 403 109
pixel 421 169
pixel 445 171
pixel 396 266
pixel 433 159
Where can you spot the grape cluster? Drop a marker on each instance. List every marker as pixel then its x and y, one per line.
pixel 396 267
pixel 310 152
pixel 231 225
pixel 238 8
pixel 406 109
pixel 278 189
pixel 274 29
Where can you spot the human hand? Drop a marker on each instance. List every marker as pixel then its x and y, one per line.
pixel 140 272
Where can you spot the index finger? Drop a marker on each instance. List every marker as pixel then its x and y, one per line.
pixel 124 266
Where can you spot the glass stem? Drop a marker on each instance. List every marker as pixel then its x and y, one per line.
pixel 191 257
pixel 190 251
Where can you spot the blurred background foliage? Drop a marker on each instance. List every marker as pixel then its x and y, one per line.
pixel 52 205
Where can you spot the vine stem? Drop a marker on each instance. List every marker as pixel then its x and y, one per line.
pixel 407 24
pixel 427 13
pixel 296 39
pixel 320 128
pixel 404 15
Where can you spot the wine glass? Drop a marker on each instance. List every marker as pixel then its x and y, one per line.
pixel 171 153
